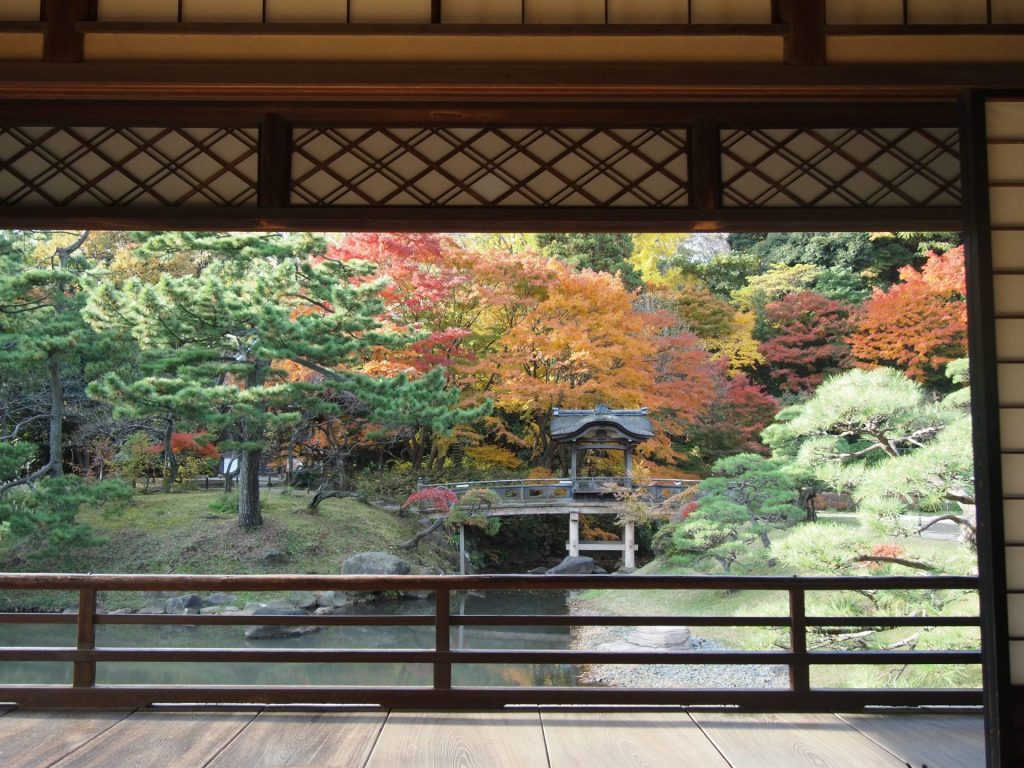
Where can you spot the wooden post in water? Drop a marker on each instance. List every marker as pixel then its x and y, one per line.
pixel 574 534
pixel 628 549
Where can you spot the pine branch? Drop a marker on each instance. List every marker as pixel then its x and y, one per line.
pixel 955 518
pixel 27 480
pixel 895 561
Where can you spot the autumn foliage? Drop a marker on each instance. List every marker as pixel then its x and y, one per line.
pixel 919 324
pixel 807 340
pixel 187 443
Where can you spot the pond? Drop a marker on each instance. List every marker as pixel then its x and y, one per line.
pixel 168 673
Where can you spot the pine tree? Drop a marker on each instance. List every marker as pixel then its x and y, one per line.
pixel 214 342
pixel 46 347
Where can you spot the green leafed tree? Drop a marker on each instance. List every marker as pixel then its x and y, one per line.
pixel 596 251
pixel 221 347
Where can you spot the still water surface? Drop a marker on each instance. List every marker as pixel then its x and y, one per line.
pixel 167 673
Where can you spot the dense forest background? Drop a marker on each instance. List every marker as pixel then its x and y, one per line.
pixel 802 364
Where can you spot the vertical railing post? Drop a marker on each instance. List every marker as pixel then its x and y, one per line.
pixel 85 671
pixel 442 640
pixel 799 668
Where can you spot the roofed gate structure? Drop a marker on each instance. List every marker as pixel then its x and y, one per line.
pixel 544 115
pixel 600 429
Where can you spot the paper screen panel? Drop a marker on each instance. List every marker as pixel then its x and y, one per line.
pixel 156 11
pixel 564 11
pixel 947 11
pixel 1008 250
pixel 128 166
pixel 232 11
pixel 1006 206
pixel 649 12
pixel 1010 339
pixel 491 167
pixel 864 12
pixel 1008 11
pixel 1013 525
pixel 307 11
pixel 390 12
pixel 1011 384
pixel 840 167
pixel 20 10
pixel 1009 294
pixel 482 11
pixel 731 11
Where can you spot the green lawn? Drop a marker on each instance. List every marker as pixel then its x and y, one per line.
pixel 180 533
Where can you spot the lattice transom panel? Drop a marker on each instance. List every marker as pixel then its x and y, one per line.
pixel 840 167
pixel 490 167
pixel 128 166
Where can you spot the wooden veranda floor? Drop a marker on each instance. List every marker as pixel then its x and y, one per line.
pixel 273 737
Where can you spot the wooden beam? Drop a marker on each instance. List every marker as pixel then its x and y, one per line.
pixel 444 83
pixel 486 219
pixel 705 165
pixel 805 36
pixel 274 185
pixel 62 40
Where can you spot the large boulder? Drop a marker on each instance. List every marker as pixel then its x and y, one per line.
pixel 305 600
pixel 271 631
pixel 332 599
pixel 219 598
pixel 190 604
pixel 273 556
pixel 573 565
pixel 375 563
pixel 662 638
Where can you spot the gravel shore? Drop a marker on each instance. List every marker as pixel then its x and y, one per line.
pixel 672 675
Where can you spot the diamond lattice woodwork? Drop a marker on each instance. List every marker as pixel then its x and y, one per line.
pixel 164 167
pixel 491 167
pixel 840 167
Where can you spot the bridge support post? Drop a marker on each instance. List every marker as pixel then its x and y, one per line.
pixel 574 534
pixel 629 542
pixel 462 550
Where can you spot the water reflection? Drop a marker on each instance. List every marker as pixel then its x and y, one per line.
pixel 362 674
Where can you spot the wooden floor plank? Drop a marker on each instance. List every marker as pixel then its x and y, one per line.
pixel 463 739
pixel 303 738
pixel 949 741
pixel 171 738
pixel 792 741
pixel 31 739
pixel 627 740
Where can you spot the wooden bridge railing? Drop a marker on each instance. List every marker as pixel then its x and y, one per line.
pixel 562 490
pixel 86 655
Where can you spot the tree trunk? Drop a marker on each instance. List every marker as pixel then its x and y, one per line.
pixel 170 460
pixel 249 489
pixel 56 417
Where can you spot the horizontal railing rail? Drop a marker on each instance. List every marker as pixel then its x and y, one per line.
pixel 561 490
pixel 86 653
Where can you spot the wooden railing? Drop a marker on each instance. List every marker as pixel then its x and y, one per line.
pixel 801 695
pixel 562 490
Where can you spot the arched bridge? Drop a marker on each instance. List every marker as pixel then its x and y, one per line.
pixel 566 496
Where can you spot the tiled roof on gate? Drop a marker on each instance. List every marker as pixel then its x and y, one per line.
pixel 632 424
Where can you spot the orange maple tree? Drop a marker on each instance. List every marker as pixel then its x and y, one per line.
pixel 920 323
